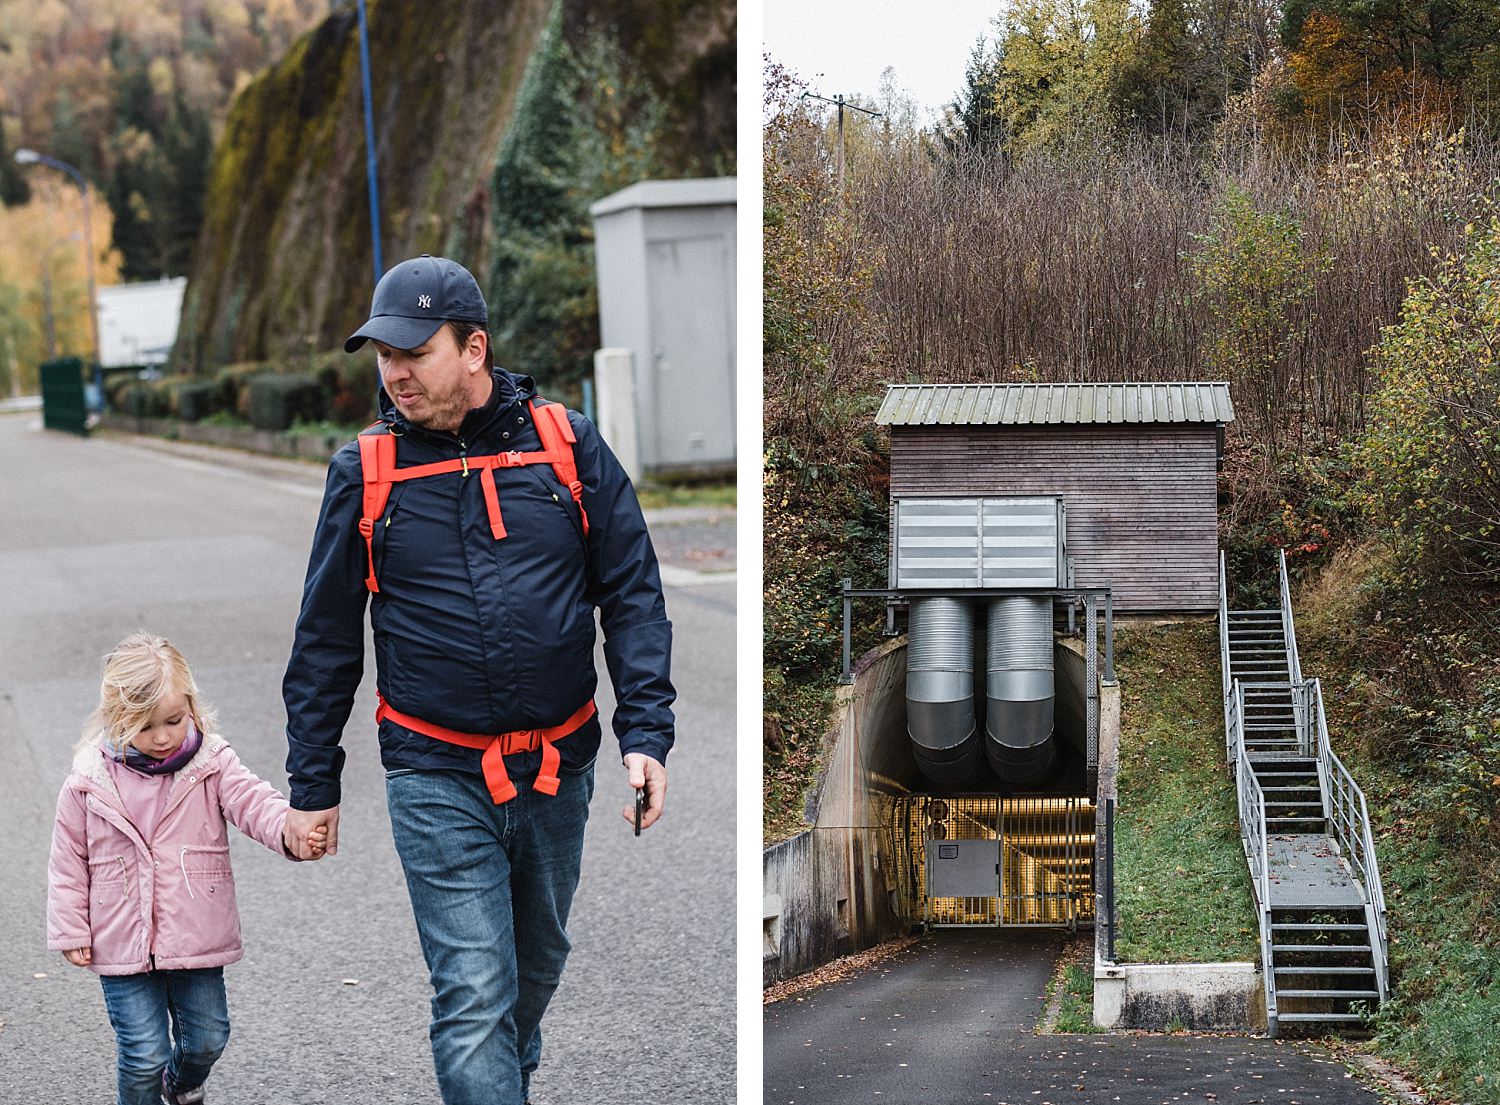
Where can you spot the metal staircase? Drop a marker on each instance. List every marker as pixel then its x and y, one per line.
pixel 1305 828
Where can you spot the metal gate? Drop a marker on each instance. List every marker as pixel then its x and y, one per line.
pixel 998 862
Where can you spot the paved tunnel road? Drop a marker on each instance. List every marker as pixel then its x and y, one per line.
pixel 950 1020
pixel 330 1005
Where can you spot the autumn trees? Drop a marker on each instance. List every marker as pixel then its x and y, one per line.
pixel 132 93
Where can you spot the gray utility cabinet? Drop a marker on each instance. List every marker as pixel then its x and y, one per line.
pixel 665 252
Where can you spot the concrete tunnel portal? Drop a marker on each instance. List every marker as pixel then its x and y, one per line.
pixel 988 846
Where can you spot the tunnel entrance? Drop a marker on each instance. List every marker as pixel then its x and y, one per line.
pixel 988 861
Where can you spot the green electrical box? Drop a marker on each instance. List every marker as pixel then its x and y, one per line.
pixel 64 406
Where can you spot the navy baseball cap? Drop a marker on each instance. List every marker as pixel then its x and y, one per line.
pixel 415 298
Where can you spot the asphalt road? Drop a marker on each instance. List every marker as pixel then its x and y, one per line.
pixel 103 536
pixel 951 1019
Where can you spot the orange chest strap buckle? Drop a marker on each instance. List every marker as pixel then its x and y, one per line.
pixel 499 745
pixel 377 458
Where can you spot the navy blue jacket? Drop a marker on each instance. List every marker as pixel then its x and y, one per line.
pixel 471 633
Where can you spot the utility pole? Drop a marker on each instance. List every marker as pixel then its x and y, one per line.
pixel 841 103
pixel 372 182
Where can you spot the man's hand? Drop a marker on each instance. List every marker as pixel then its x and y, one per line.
pixel 79 957
pixel 644 771
pixel 298 833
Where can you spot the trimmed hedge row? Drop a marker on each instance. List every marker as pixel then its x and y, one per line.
pixel 331 386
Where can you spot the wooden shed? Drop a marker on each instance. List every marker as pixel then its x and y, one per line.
pixel 1135 465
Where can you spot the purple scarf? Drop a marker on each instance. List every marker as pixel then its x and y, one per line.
pixel 133 758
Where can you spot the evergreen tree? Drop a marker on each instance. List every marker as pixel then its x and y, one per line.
pixel 14 188
pixel 974 120
pixel 585 127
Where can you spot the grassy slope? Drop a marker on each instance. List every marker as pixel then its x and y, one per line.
pixel 1439 869
pixel 1180 873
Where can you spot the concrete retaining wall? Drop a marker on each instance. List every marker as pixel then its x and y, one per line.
pixel 827 891
pixel 1203 997
pixel 297 446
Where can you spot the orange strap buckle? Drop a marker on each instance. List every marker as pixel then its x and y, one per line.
pixel 499 745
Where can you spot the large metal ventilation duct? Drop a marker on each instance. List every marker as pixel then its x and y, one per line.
pixel 978 543
pixel 1018 690
pixel 940 690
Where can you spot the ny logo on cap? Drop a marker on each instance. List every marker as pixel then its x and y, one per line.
pixel 424 301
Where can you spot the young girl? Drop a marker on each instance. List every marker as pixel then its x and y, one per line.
pixel 139 886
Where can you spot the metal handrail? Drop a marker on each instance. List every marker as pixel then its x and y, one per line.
pixel 1223 627
pixel 1348 817
pixel 1293 660
pixel 1252 810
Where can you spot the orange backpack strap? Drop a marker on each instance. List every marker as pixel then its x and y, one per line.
pixel 377 461
pixel 558 439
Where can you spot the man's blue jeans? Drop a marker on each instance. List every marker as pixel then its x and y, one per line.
pixel 490 889
pixel 140 1007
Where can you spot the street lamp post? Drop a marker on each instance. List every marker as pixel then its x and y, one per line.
pixel 31 157
pixel 47 292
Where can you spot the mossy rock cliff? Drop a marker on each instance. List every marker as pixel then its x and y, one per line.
pixel 283 267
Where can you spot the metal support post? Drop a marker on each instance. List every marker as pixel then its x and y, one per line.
pixel 847 675
pixel 1109 878
pixel 1109 638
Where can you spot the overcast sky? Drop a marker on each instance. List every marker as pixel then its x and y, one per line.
pixel 849 42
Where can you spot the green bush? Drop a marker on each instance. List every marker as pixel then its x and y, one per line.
pixel 1430 453
pixel 115 388
pixel 235 381
pixel 352 385
pixel 149 398
pixel 278 401
pixel 199 399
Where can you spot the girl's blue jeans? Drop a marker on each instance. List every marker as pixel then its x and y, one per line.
pixel 141 1008
pixel 490 889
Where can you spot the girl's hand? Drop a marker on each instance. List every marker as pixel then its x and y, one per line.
pixel 317 840
pixel 79 957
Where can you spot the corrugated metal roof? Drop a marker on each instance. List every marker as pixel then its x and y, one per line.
pixel 1052 404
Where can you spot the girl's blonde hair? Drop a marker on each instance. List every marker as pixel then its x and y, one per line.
pixel 138 673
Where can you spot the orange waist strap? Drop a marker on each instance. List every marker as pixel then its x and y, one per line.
pixel 499 745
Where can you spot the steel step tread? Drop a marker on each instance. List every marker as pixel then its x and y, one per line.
pixel 1342 949
pixel 1324 970
pixel 1334 1018
pixel 1313 926
pixel 1327 994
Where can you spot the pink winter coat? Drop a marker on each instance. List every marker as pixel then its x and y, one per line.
pixel 170 897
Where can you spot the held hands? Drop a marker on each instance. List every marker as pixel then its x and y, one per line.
pixel 644 771
pixel 310 834
pixel 79 957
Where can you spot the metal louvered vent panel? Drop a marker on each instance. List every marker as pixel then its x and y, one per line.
pixel 937 542
pixel 978 543
pixel 1021 542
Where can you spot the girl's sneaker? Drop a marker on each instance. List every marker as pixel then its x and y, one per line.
pixel 192 1096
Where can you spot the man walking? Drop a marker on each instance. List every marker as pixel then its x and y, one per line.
pixel 485 526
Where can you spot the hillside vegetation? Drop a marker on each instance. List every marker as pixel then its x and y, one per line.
pixel 496 129
pixel 1298 200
